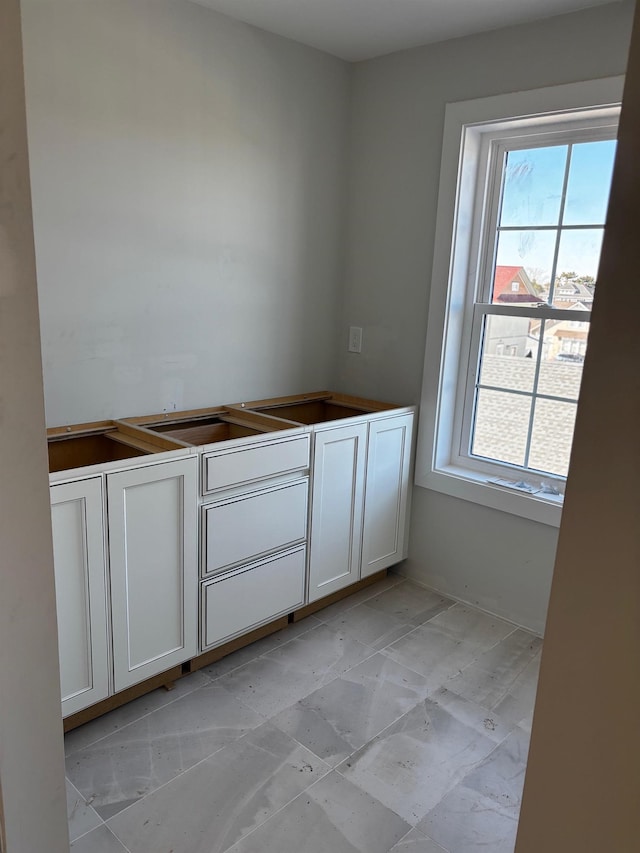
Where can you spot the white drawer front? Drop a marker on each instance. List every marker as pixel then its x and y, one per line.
pixel 254 462
pixel 248 526
pixel 240 601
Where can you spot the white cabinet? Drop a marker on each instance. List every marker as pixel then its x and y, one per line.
pixel 248 525
pixel 153 568
pixel 131 612
pixel 386 493
pixel 81 592
pixel 246 463
pixel 237 601
pixel 253 534
pixel 359 501
pixel 134 573
pixel 336 508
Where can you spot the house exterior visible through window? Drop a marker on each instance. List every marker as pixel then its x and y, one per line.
pixel 529 210
pixel 550 209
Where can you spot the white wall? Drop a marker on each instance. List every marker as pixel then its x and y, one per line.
pixel 188 179
pixel 494 560
pixel 32 792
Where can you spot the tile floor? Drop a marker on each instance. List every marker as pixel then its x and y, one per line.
pixel 395 720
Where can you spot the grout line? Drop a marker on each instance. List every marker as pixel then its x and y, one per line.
pixel 374 593
pixel 211 680
pixel 103 824
pixel 421 836
pixel 328 767
pixel 271 817
pixel 195 689
pixel 137 719
pixel 474 606
pixel 178 775
pixel 186 770
pixel 264 654
pixel 265 718
pixel 454 782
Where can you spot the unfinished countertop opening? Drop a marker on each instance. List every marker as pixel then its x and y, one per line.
pixel 318 408
pixel 77 450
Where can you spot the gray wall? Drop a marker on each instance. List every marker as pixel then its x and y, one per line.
pixel 495 560
pixel 188 180
pixel 195 245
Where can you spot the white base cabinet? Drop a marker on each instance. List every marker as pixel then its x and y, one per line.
pixel 239 601
pixel 246 526
pixel 386 496
pixel 278 530
pixel 253 535
pixel 359 501
pixel 336 508
pixel 130 612
pixel 153 559
pixel 81 593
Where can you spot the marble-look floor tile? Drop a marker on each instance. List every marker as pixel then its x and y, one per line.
pixel 80 816
pixel 516 707
pixel 109 723
pixel 416 842
pixel 289 673
pixel 372 627
pixel 466 822
pixel 100 840
pixel 481 813
pixel 362 595
pixel 489 679
pixel 222 799
pixel 408 602
pixel 122 768
pixel 434 655
pixel 500 776
pixel 444 646
pixel 333 816
pixel 260 647
pixel 342 716
pixel 473 626
pixel 415 762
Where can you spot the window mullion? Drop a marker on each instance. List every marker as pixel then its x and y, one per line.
pixel 472 378
pixel 546 312
pixel 563 201
pixel 534 393
pixel 495 181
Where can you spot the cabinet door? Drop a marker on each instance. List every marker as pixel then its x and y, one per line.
pixel 81 595
pixel 154 573
pixel 336 509
pixel 386 491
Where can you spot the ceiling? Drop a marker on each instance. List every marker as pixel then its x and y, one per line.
pixel 361 29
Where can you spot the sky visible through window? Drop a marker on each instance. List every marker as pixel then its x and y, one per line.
pixel 532 209
pixel 548 242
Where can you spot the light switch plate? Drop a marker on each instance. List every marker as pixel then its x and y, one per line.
pixel 355 339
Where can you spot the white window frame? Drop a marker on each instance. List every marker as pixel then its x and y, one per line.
pixel 470 128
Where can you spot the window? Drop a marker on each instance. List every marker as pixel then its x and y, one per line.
pixel 525 214
pixel 544 213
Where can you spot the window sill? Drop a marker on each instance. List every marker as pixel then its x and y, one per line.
pixel 472 486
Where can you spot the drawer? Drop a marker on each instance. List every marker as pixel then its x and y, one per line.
pixel 248 526
pixel 239 601
pixel 225 468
